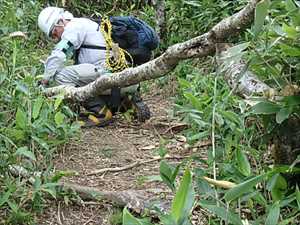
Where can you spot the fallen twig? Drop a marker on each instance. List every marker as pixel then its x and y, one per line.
pixel 135 164
pixel 176 128
pixel 90 219
pixel 59 220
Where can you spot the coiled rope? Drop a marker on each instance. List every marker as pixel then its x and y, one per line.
pixel 117 62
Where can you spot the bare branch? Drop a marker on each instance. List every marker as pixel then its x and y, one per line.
pixel 135 164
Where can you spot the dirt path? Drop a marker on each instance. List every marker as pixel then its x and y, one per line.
pixel 117 145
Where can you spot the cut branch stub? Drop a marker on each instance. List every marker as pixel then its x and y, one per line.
pixel 237 75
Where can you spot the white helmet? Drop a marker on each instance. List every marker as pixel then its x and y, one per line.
pixel 50 16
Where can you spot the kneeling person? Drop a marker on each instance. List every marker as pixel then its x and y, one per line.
pixel 70 34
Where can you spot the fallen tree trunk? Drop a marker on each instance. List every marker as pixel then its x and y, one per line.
pixel 200 46
pixel 137 200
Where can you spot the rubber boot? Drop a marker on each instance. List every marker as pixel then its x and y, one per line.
pixel 140 108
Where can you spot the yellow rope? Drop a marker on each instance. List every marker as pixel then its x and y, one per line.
pixel 119 64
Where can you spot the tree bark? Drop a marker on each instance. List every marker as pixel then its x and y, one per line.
pixel 200 46
pixel 160 18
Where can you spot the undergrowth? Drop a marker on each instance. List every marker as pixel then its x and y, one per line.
pixel 33 127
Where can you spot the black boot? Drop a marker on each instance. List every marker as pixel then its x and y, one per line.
pixel 140 108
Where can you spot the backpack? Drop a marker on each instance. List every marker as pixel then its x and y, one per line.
pixel 133 35
pixel 123 27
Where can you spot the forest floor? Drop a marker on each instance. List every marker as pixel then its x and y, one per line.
pixel 118 145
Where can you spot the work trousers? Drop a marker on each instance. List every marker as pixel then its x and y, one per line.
pixel 82 74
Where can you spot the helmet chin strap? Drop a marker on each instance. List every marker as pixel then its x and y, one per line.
pixel 60 23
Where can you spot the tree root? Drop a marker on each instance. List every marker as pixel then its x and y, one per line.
pixel 136 200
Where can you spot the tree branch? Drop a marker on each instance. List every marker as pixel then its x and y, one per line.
pixel 137 200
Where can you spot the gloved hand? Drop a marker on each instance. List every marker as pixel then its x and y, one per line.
pixel 43 83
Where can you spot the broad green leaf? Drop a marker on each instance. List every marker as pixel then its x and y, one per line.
pixel 23 151
pixel 21 118
pixel 37 107
pixel 290 5
pixel 59 118
pixel 272 182
pixel 295 16
pixel 175 173
pixel 166 172
pixel 243 163
pixel 193 100
pixel 192 3
pixel 261 12
pixel 290 31
pixel 287 200
pixel 273 215
pixel 16 134
pixel 60 174
pixel 237 49
pixel 259 198
pixel 13 206
pixel 290 50
pixel 58 101
pixel 234 54
pixel 265 108
pixel 167 219
pixel 2 78
pixel 288 221
pixel 4 197
pixel 233 117
pixel 283 114
pixel 291 100
pixel 298 196
pixel 184 83
pixel 129 219
pixel 52 192
pixel 278 186
pixel 37 183
pixel 278 30
pixel 23 88
pixel 204 188
pixel 198 136
pixel 242 188
pixel 219 119
pixel 50 189
pixel 224 214
pixel 184 199
pixel 41 142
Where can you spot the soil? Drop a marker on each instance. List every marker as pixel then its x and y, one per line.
pixel 117 145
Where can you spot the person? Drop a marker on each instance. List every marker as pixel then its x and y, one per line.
pixel 70 34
